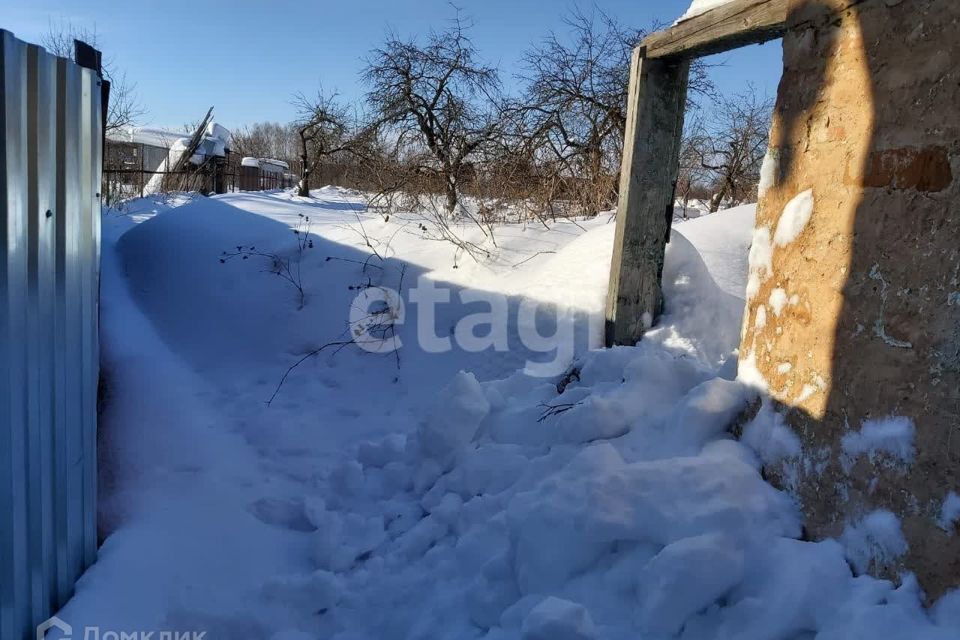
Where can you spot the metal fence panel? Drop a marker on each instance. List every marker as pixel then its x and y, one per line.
pixel 41 194
pixel 14 585
pixel 91 164
pixel 50 172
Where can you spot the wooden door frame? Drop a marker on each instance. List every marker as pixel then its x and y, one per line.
pixel 656 103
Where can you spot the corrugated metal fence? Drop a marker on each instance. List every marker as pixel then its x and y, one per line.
pixel 50 167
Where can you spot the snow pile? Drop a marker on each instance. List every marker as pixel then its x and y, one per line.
pixel 556 619
pixel 770 437
pixel 702 319
pixel 138 210
pixel 452 496
pixel 690 209
pixel 876 539
pixel 624 512
pixel 663 527
pixel 723 242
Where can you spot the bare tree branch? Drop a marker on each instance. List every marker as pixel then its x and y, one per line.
pixel 124 109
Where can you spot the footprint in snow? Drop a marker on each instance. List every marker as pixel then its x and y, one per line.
pixel 277 512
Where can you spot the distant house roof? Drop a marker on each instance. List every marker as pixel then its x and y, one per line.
pixel 267 165
pixel 145 135
pixel 270 165
pixel 215 141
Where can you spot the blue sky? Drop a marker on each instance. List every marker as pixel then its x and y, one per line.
pixel 248 58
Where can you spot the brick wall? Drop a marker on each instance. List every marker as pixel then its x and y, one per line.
pixel 859 316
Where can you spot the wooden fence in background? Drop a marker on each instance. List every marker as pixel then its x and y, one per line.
pixel 121 181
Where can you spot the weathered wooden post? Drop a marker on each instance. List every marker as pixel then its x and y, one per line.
pixel 648 174
pixel 651 149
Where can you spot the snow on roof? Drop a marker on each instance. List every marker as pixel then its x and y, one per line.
pixel 211 146
pixel 271 165
pixel 145 135
pixel 218 131
pixel 179 144
pixel 216 138
pixel 698 7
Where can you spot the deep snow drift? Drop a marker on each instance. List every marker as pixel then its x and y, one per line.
pixel 446 495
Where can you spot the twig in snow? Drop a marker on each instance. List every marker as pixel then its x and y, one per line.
pixel 538 253
pixel 317 351
pixel 286 268
pixel 384 328
pixel 553 410
pixel 365 263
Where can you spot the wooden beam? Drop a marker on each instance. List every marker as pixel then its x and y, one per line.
pixel 648 175
pixel 735 24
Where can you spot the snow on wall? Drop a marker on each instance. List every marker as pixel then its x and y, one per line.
pixel 794 220
pixel 950 513
pixel 769 435
pixel 761 319
pixel 768 171
pixel 760 261
pixel 777 301
pixel 877 538
pixel 892 436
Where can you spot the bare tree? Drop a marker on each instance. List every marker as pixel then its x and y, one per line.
pixel 266 140
pixel 322 129
pixel 693 179
pixel 734 144
pixel 124 109
pixel 441 103
pixel 576 102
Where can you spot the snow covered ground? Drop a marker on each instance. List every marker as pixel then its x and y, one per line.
pixel 457 494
